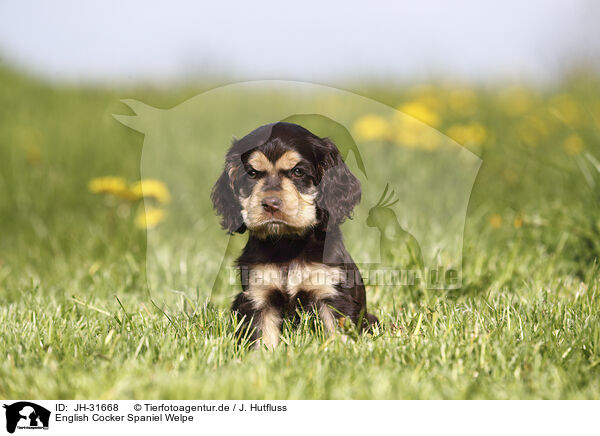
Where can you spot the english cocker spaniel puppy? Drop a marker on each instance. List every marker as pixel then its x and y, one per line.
pixel 290 190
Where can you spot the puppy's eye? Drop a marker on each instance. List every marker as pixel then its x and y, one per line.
pixel 252 173
pixel 298 172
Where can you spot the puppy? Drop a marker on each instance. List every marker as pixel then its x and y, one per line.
pixel 291 190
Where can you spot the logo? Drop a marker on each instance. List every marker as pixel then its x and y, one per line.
pixel 26 415
pixel 416 184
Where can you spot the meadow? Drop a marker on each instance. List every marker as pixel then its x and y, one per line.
pixel 82 316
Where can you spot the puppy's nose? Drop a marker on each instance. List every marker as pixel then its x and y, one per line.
pixel 271 204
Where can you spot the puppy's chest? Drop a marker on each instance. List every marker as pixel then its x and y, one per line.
pixel 319 281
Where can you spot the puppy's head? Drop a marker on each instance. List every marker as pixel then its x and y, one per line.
pixel 281 179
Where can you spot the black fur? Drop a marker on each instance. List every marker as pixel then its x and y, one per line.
pixel 227 205
pixel 339 189
pixel 338 193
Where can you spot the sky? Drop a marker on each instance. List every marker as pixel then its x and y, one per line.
pixel 311 40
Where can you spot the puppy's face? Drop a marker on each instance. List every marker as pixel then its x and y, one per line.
pixel 277 191
pixel 281 179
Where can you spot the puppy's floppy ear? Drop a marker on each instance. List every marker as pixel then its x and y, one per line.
pixel 225 202
pixel 339 189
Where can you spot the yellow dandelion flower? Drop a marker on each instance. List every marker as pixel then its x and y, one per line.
pixel 518 222
pixel 421 111
pixel 409 132
pixel 149 218
pixel 108 185
pixel 128 195
pixel 573 144
pixel 371 128
pixel 151 188
pixel 495 221
pixel 468 134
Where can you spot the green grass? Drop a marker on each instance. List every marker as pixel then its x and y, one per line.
pixel 77 319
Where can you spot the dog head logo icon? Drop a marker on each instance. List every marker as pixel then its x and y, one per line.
pixel 26 415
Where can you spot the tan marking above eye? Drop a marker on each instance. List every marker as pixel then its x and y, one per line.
pixel 288 160
pixel 260 162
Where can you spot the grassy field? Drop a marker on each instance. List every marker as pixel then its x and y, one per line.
pixel 77 319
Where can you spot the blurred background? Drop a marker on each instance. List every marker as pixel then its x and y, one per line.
pixel 516 83
pixel 512 84
pixel 333 42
